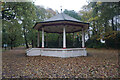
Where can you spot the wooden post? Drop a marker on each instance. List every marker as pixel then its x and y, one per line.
pixel 46 40
pixel 42 37
pixel 38 40
pixel 83 38
pixel 64 38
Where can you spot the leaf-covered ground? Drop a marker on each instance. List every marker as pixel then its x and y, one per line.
pixel 100 63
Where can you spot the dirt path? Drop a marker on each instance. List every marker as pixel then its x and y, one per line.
pixel 98 64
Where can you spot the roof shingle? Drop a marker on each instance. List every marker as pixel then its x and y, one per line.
pixel 60 17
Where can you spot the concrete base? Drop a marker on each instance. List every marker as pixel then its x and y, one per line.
pixel 57 52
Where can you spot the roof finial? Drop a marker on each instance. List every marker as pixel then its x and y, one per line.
pixel 61 8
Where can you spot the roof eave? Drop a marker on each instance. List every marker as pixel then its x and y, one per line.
pixel 57 21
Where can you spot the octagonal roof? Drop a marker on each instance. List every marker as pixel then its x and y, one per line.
pixel 56 23
pixel 60 17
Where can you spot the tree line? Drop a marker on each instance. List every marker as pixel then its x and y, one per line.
pixel 18 19
pixel 104 21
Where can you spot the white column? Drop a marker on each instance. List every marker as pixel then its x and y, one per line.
pixel 83 38
pixel 64 38
pixel 38 40
pixel 42 37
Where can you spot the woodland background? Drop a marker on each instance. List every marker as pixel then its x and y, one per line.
pixel 18 19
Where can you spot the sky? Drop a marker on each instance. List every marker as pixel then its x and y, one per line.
pixel 75 5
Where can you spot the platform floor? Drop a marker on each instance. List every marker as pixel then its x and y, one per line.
pixel 57 52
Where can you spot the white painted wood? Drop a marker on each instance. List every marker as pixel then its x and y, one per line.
pixel 64 38
pixel 42 37
pixel 57 52
pixel 38 40
pixel 33 52
pixel 83 38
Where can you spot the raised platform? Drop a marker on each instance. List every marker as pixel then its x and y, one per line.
pixel 57 52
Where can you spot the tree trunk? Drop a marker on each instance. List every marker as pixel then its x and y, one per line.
pixel 32 43
pixel 113 24
pixel 106 26
pixel 93 28
pixel 88 34
pixel 11 41
pixel 116 25
pixel 25 38
pixel 11 44
pixel 106 30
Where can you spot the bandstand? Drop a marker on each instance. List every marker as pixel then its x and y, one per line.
pixel 62 24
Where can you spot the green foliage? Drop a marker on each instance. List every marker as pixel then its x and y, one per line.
pixel 103 18
pixel 12 29
pixel 103 23
pixel 92 43
pixel 18 21
pixel 11 32
pixel 72 13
